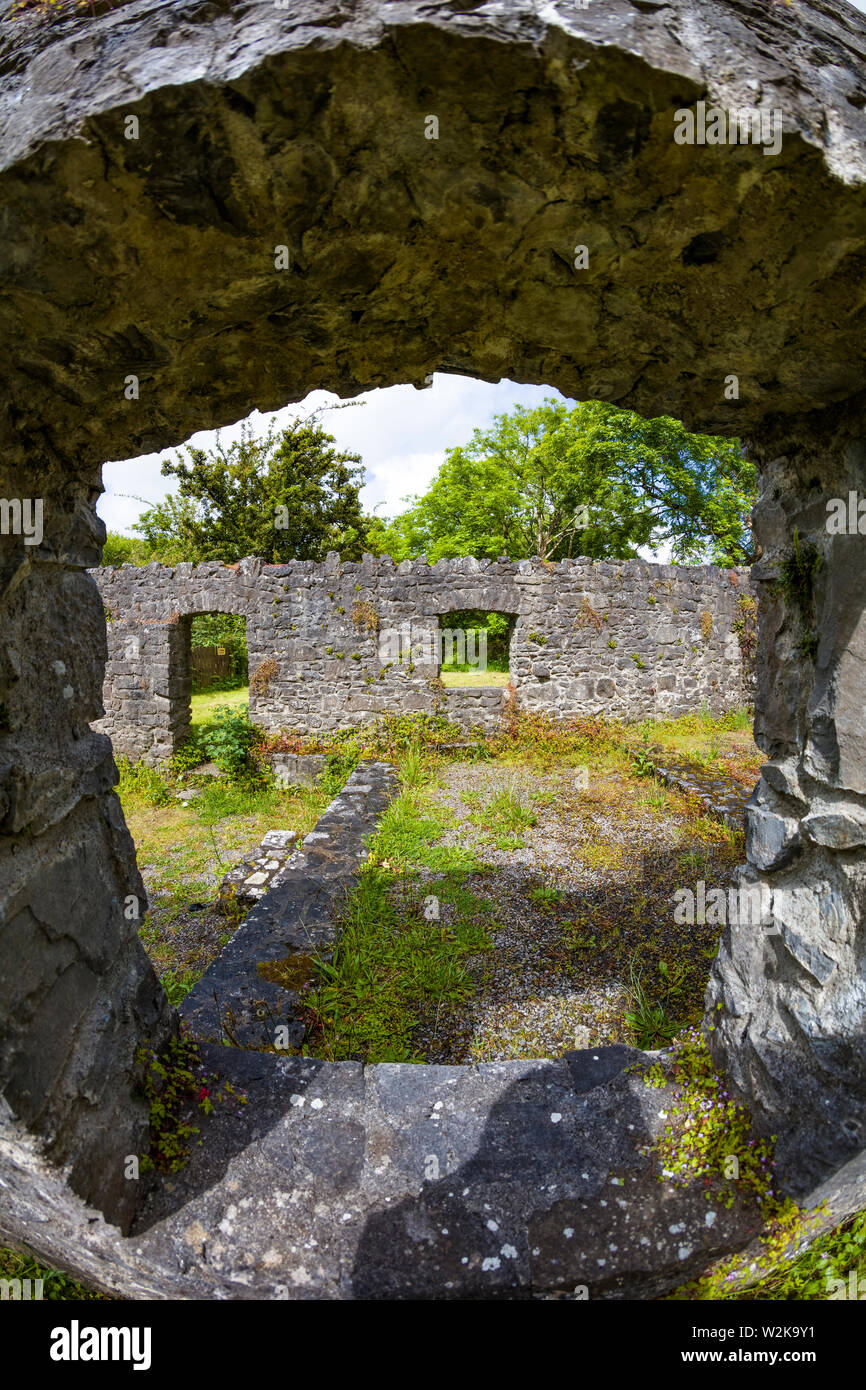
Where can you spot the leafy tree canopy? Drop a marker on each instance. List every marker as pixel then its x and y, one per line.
pixel 125 550
pixel 291 495
pixel 589 480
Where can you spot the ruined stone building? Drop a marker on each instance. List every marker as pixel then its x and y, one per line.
pixel 210 210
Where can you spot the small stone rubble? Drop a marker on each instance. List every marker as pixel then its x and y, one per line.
pixel 252 878
pixel 723 799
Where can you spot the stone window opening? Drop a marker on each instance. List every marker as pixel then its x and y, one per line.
pixel 474 647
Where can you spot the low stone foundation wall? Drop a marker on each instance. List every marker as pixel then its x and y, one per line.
pixel 475 708
pixel 249 996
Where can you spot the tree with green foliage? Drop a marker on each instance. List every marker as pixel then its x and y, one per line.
pixel 228 630
pixel 126 550
pixel 289 496
pixel 591 480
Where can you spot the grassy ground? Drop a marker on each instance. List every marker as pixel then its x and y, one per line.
pixel 512 911
pixel 184 852
pixel 723 746
pixel 454 679
pixel 572 885
pixel 204 704
pixel 516 903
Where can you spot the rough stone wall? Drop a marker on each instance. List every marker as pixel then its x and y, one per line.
pixel 306 128
pixel 77 992
pixel 788 1002
pixel 341 644
pixel 154 259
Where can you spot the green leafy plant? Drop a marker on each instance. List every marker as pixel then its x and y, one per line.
pixel 809 1275
pixel 229 739
pixel 390 961
pixel 140 780
pixel 56 1284
pixel 545 896
pixel 651 1025
pixel 642 764
pixel 177 985
pixel 175 1083
pixel 190 755
pixel 412 767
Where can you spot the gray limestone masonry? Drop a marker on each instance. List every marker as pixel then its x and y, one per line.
pixel 333 645
pixel 142 302
pixel 250 880
pixel 721 798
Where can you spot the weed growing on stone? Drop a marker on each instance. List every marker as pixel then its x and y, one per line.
pixel 708 1129
pixel 745 626
pixel 711 1140
pixel 175 1083
pixel 815 1273
pixel 365 618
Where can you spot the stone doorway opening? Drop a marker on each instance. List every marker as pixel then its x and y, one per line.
pixel 214 669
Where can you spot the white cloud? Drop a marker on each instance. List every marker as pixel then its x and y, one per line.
pixel 400 433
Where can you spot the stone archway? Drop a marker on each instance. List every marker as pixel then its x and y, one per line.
pixel 207 214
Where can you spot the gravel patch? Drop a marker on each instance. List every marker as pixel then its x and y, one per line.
pixel 558 975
